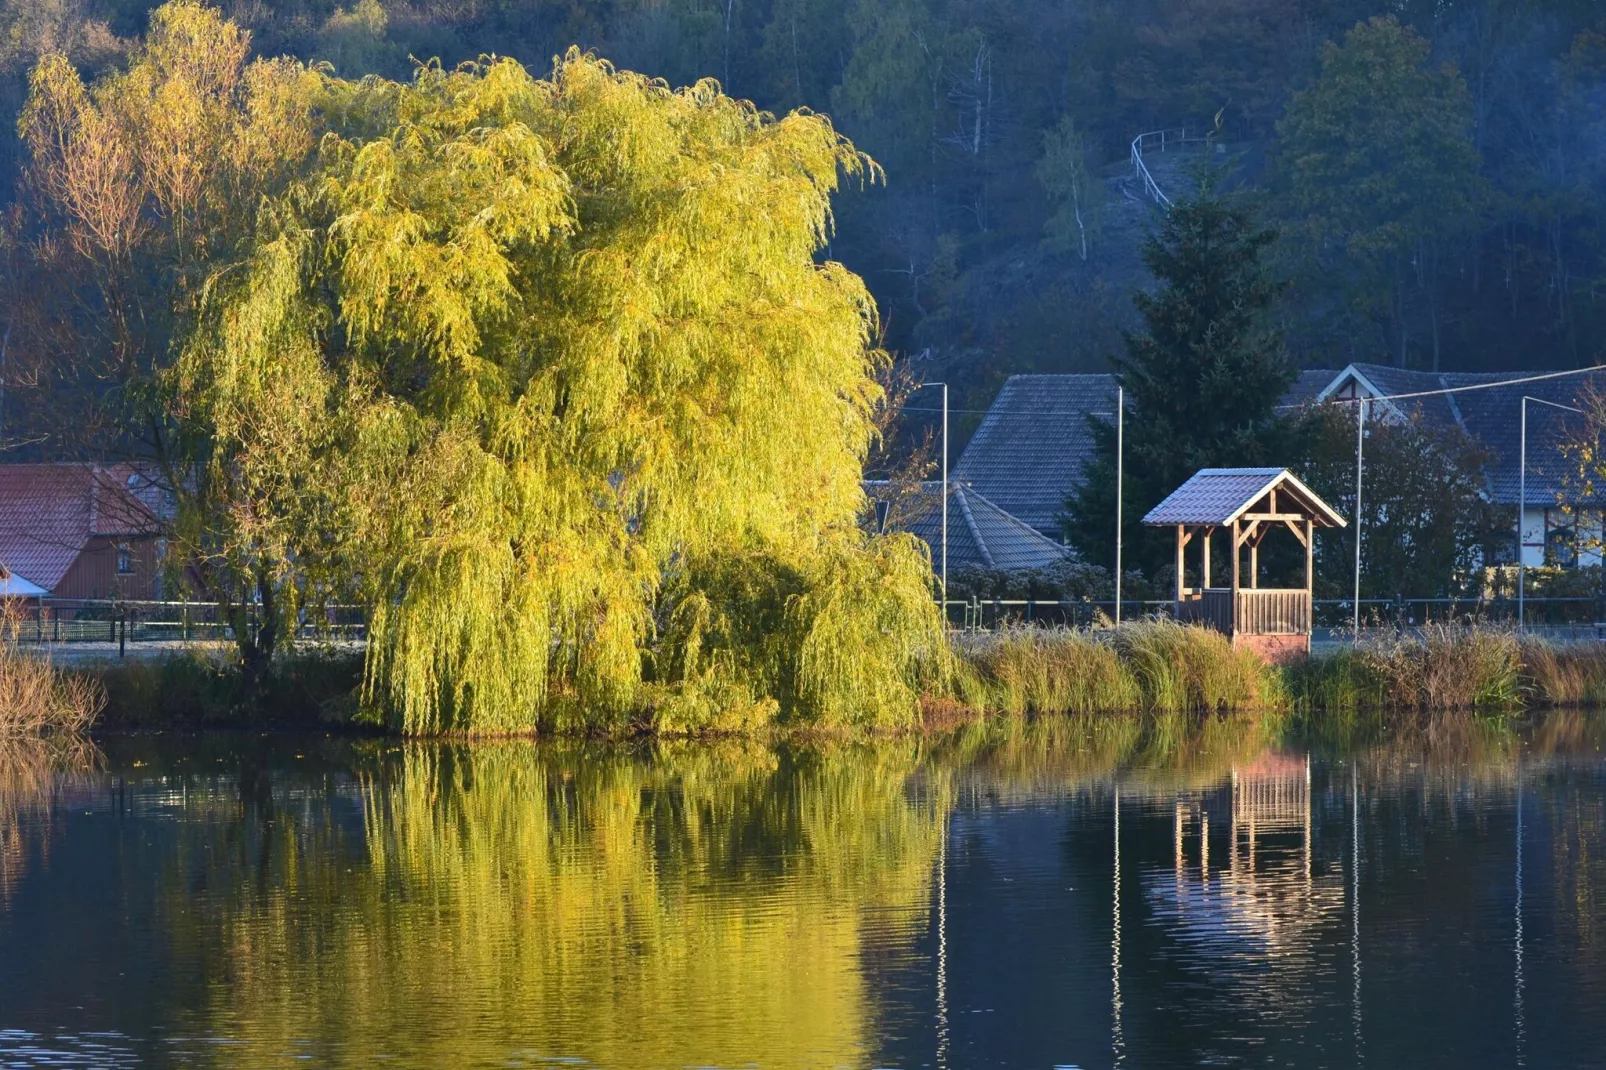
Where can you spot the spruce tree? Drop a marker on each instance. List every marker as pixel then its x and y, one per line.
pixel 1202 380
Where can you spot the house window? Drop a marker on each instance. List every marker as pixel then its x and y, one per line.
pixel 125 560
pixel 1561 545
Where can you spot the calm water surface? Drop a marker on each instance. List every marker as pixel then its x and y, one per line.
pixel 1040 898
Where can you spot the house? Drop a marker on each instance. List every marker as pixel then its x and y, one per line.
pixel 1491 414
pixel 1029 453
pixel 980 534
pixel 81 531
pixel 1034 444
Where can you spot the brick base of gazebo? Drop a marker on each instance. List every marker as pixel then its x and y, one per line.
pixel 1275 649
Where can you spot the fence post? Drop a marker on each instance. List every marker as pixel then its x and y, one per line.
pixel 122 640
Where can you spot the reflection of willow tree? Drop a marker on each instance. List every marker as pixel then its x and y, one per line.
pixel 702 905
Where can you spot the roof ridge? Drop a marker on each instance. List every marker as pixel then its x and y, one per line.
pixel 1025 528
pixel 975 531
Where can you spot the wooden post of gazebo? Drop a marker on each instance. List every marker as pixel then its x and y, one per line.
pixel 1248 504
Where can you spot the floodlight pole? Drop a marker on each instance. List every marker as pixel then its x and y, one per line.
pixel 944 501
pixel 1120 421
pixel 944 553
pixel 1360 445
pixel 1522 501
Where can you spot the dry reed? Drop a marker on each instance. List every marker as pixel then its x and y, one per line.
pixel 1150 666
pixel 37 698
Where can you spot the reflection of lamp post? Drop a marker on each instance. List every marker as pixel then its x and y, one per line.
pixel 1355 905
pixel 1117 1039
pixel 1522 499
pixel 1517 978
pixel 942 950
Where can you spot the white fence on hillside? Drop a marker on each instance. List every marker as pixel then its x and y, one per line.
pixel 1158 141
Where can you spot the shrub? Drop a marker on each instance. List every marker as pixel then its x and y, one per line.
pixel 36 698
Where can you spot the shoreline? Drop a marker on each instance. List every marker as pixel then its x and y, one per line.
pixel 1142 670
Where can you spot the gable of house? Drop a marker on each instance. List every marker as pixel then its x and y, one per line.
pixel 61 526
pixel 1491 414
pixel 1032 446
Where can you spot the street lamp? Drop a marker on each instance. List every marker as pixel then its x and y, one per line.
pixel 1360 445
pixel 944 496
pixel 1522 499
pixel 1120 451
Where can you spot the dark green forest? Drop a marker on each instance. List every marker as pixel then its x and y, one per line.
pixel 1436 171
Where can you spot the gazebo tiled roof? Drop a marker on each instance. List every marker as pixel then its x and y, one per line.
pixel 1215 497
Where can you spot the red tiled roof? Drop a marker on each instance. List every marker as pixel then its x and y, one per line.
pixel 50 512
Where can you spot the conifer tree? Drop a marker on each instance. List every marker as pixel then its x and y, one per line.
pixel 1202 380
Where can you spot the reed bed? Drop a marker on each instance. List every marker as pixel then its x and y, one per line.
pixel 1150 666
pixel 1564 674
pixel 36 697
pixel 1417 678
pixel 1439 668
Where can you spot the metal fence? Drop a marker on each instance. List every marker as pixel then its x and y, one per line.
pixel 1580 616
pixel 64 621
pixel 72 621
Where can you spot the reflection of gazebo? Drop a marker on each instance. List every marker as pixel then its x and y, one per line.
pixel 1264 895
pixel 1249 504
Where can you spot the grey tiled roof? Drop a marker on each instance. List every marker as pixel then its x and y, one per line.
pixel 1218 495
pixel 1028 454
pixel 1493 417
pixel 1311 381
pixel 980 534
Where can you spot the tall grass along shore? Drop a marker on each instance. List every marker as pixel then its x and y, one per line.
pixel 36 697
pixel 1153 667
pixel 1163 667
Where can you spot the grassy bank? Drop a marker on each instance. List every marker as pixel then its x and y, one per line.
pixel 310 687
pixel 1161 667
pixel 1155 668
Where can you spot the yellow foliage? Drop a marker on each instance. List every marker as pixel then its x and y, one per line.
pixel 517 359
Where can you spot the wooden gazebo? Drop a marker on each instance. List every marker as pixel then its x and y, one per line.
pixel 1248 504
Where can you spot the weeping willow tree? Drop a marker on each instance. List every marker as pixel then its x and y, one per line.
pixel 549 373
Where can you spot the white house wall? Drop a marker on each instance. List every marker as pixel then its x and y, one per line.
pixel 1538 522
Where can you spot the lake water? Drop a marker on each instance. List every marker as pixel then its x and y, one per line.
pixel 1040 896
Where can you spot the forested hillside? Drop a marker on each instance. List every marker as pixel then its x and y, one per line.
pixel 1435 169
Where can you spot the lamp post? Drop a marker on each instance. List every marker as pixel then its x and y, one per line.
pixel 1522 501
pixel 944 557
pixel 1360 445
pixel 1120 451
